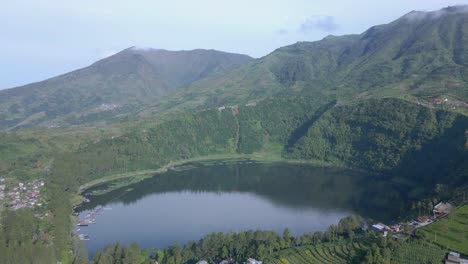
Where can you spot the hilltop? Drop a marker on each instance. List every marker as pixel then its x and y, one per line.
pixel 114 85
pixel 421 57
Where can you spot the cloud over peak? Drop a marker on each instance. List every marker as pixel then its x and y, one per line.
pixel 322 23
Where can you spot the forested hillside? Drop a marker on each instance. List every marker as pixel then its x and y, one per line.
pixel 388 136
pixel 421 57
pixel 115 85
pixel 194 135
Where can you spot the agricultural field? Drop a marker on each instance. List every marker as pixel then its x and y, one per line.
pixel 347 252
pixel 418 252
pixel 323 253
pixel 451 231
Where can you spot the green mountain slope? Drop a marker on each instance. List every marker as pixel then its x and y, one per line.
pixel 386 136
pixel 389 135
pixel 422 57
pixel 111 86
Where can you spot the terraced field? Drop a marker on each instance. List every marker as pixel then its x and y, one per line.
pixel 418 252
pixel 323 253
pixel 405 253
pixel 451 231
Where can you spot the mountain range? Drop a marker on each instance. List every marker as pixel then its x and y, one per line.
pixel 421 57
pixel 116 84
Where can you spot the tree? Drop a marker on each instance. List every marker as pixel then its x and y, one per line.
pixel 262 252
pixel 351 235
pixel 224 252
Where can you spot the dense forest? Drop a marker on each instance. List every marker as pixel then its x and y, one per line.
pixel 386 136
pixel 389 135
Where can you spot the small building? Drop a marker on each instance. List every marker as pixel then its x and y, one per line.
pixel 202 262
pixel 396 228
pixel 220 109
pixel 454 258
pixel 424 219
pixel 379 227
pixel 442 208
pixel 251 104
pixel 253 261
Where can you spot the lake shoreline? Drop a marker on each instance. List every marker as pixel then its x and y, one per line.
pixel 144 174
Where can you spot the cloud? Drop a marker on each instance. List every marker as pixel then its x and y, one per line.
pixel 108 53
pixel 281 31
pixel 420 15
pixel 323 23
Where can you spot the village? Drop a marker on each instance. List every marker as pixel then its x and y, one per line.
pixel 440 210
pixel 23 195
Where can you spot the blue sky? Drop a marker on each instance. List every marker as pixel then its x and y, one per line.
pixel 40 39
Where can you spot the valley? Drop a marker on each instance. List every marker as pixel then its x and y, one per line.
pixel 212 156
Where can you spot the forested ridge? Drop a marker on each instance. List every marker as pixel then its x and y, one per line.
pixel 378 135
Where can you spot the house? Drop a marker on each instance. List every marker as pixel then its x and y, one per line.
pixel 442 208
pixel 396 228
pixel 424 220
pixel 253 261
pixel 379 227
pixel 454 258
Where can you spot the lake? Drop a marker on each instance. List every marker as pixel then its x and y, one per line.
pixel 193 200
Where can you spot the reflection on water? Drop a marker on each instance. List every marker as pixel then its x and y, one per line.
pixel 189 202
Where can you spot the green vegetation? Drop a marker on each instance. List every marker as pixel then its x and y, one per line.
pixel 421 60
pixel 361 252
pixel 116 85
pixel 24 238
pixel 222 246
pixel 323 253
pixel 29 154
pixel 418 252
pixel 374 101
pixel 450 232
pixel 204 134
pixel 388 135
pixel 279 127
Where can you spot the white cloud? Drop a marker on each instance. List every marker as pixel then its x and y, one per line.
pixel 323 23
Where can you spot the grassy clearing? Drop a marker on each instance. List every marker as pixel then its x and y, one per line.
pixel 451 231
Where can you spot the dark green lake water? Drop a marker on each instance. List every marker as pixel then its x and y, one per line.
pixel 196 199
